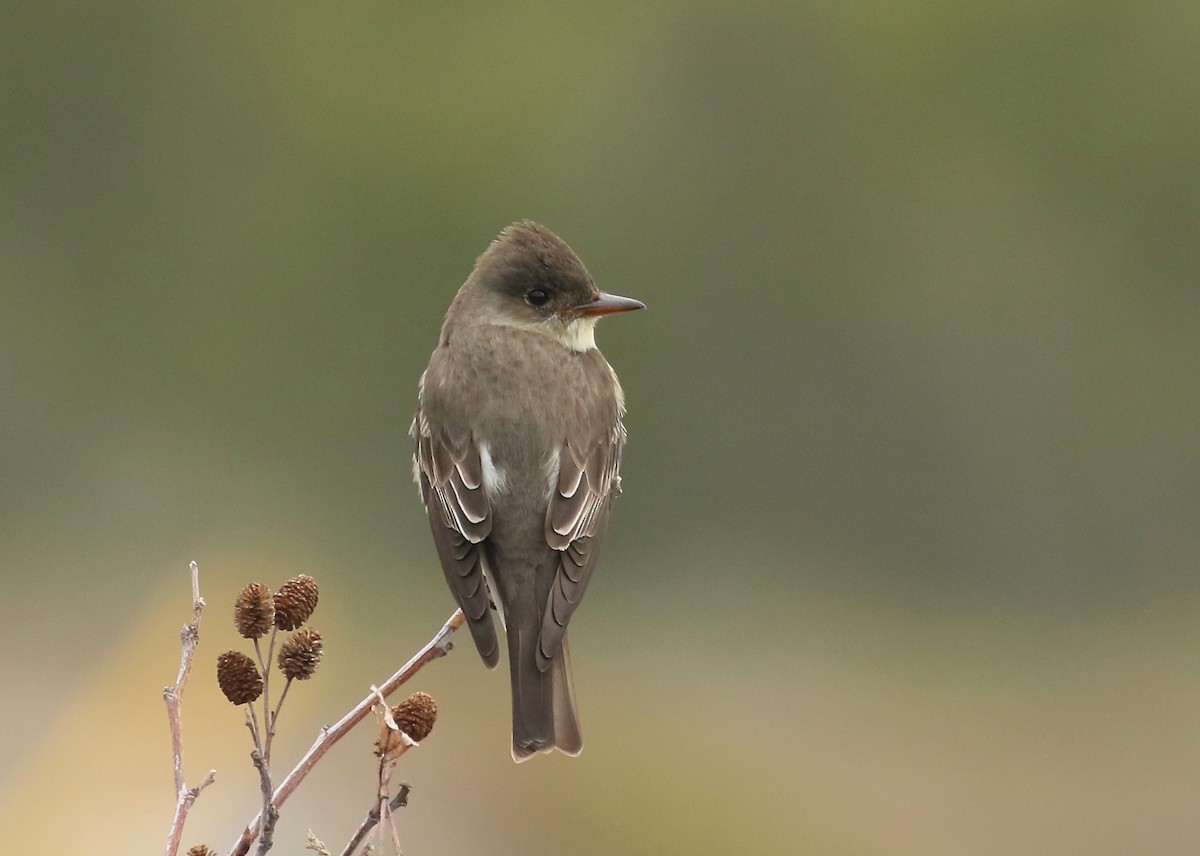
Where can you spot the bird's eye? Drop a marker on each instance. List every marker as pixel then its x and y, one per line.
pixel 537 297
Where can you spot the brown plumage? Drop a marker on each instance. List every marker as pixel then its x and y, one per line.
pixel 518 448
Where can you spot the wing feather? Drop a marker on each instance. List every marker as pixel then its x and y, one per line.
pixel 579 507
pixel 450 474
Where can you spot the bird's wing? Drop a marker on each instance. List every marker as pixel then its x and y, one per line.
pixel 588 481
pixel 448 467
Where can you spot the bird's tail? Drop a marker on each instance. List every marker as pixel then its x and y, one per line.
pixel 544 713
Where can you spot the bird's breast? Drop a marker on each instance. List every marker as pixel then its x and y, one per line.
pixel 522 387
pixel 522 396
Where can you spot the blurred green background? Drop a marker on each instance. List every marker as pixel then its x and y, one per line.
pixel 906 561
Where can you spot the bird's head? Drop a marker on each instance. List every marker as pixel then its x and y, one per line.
pixel 530 279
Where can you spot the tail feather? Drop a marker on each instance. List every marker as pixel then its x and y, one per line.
pixel 544 713
pixel 567 737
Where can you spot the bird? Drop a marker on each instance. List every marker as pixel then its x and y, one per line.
pixel 517 452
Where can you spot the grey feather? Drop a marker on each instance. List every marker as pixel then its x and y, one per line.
pixel 518 379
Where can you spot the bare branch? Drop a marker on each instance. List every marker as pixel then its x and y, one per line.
pixel 400 800
pixel 267 839
pixel 437 647
pixel 386 768
pixel 173 697
pixel 365 827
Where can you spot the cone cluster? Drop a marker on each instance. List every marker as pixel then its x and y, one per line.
pixel 257 612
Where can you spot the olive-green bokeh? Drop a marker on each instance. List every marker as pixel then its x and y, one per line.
pixel 907 557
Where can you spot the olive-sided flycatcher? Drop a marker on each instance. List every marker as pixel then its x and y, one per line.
pixel 518 446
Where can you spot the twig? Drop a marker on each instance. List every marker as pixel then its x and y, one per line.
pixel 386 768
pixel 182 807
pixel 436 647
pixel 368 823
pixel 252 725
pixel 269 715
pixel 365 827
pixel 185 797
pixel 264 779
pixel 267 839
pixel 400 800
pixel 273 716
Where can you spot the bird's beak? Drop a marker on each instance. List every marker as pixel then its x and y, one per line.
pixel 607 304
